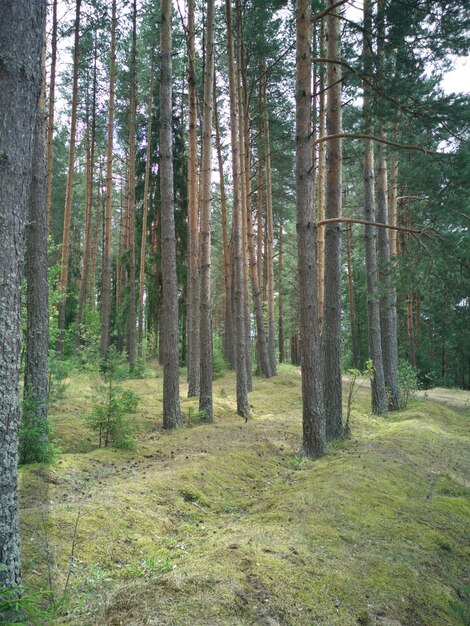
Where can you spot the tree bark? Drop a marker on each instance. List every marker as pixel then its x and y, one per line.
pixel 321 178
pixel 352 305
pixel 148 163
pixel 36 373
pixel 379 396
pixel 64 267
pixel 238 290
pixel 22 25
pixel 169 322
pixel 106 270
pixel 332 239
pixel 50 122
pixel 280 301
pixel 313 417
pixel 205 393
pixel 194 307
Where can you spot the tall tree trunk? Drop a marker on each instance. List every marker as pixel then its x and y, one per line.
pixel 36 376
pixel 227 274
pixel 270 239
pixel 131 198
pixel 352 305
pixel 379 396
pixel 280 288
pixel 148 163
pixel 64 266
pixel 106 270
pixel 169 322
pixel 21 28
pixel 194 307
pixel 259 197
pixel 332 238
pixel 90 156
pixel 50 121
pixel 205 393
pixel 313 418
pixel 237 284
pixel 321 178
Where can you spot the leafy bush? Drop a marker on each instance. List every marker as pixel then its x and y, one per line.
pixel 407 382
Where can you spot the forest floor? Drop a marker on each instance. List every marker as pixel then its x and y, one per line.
pixel 227 524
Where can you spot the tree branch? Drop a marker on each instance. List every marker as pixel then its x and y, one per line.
pixel 318 16
pixel 387 142
pixel 353 220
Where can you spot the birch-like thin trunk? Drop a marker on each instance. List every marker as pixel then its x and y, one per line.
pixel 238 289
pixel 332 238
pixel 194 308
pixel 148 164
pixel 313 417
pixel 65 253
pixel 205 393
pixel 169 322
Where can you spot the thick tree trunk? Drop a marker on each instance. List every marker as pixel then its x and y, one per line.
pixel 194 307
pixel 169 322
pixel 36 373
pixel 148 163
pixel 332 239
pixel 270 239
pixel 21 28
pixel 205 394
pixel 313 418
pixel 64 268
pixel 106 270
pixel 237 284
pixel 131 198
pixel 50 121
pixel 379 396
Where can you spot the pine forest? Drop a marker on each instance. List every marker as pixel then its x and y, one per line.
pixel 234 312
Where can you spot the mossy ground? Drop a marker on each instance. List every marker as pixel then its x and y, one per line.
pixel 227 524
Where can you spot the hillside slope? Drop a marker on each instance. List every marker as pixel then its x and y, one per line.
pixel 228 525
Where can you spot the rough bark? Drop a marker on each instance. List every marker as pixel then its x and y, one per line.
pixel 313 418
pixel 169 322
pixel 352 305
pixel 65 253
pixel 50 121
pixel 36 372
pixel 194 307
pixel 280 288
pixel 205 393
pixel 332 239
pixel 21 29
pixel 106 270
pixel 321 178
pixel 237 284
pixel 379 397
pixel 131 196
pixel 148 163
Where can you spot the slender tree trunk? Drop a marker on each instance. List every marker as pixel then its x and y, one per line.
pixel 227 274
pixel 131 200
pixel 259 198
pixel 36 376
pixel 106 270
pixel 270 240
pixel 332 238
pixel 237 284
pixel 50 122
pixel 321 178
pixel 194 307
pixel 379 396
pixel 280 300
pixel 352 305
pixel 90 153
pixel 313 418
pixel 169 322
pixel 21 30
pixel 394 200
pixel 148 164
pixel 64 270
pixel 205 394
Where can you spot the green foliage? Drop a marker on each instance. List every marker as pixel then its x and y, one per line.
pixel 59 370
pixel 35 445
pixel 218 363
pixel 195 417
pixel 19 607
pixel 407 382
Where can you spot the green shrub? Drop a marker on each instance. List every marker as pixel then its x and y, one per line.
pixel 35 445
pixel 407 382
pixel 19 607
pixel 218 363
